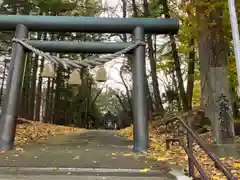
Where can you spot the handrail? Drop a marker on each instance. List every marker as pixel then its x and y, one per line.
pixel 192 161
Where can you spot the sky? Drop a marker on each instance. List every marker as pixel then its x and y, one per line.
pixel 113 66
pixel 112 3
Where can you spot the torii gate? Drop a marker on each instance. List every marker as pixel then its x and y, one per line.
pixel 22 24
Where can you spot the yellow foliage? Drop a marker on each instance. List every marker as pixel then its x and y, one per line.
pixel 177 156
pixel 144 170
pixel 196 100
pixel 34 130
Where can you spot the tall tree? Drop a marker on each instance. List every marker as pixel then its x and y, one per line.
pixel 157 99
pixel 176 60
pixel 191 59
pixel 149 97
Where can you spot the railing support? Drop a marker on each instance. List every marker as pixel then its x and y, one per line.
pixel 190 149
pixel 192 161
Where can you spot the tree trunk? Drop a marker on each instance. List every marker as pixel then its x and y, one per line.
pixel 33 86
pixel 51 115
pixel 25 89
pixel 3 80
pixel 158 101
pixel 179 106
pixel 191 63
pixel 39 87
pixel 177 64
pixel 29 87
pixel 47 102
pixel 129 62
pixel 39 93
pixel 149 97
pixel 57 107
pixel 190 75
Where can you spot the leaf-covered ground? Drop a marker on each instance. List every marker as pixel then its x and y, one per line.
pixel 177 156
pixel 28 131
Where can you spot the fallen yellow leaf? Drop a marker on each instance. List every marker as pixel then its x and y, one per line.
pixel 34 130
pixel 161 159
pixel 222 158
pixel 127 154
pixel 237 165
pixel 176 154
pixel 144 170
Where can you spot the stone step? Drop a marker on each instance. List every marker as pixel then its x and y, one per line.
pixel 28 173
pixel 82 171
pixel 74 177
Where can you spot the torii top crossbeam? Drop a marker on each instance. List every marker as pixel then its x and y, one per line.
pixel 89 24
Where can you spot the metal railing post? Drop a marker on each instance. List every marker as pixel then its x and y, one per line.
pixel 190 149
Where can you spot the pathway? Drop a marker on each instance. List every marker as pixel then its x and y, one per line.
pixel 93 155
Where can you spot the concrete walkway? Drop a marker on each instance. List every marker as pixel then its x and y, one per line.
pixel 66 177
pixel 93 155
